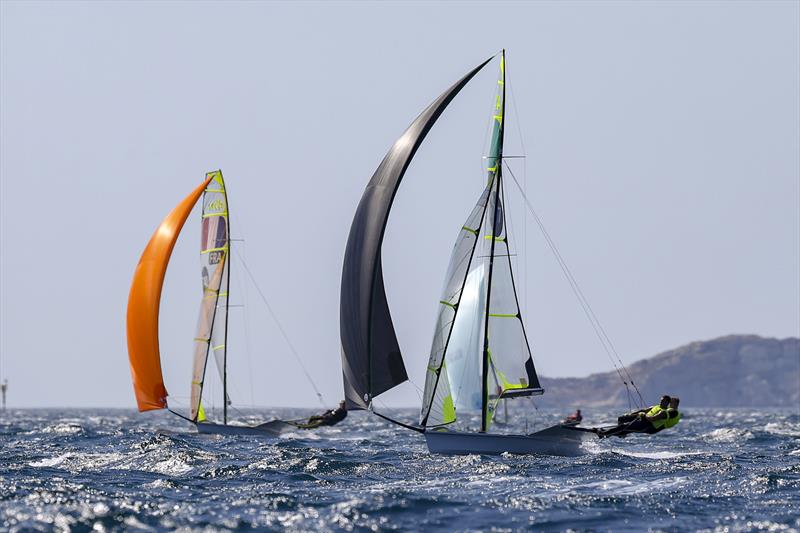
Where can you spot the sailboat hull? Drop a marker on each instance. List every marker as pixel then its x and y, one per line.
pixel 269 429
pixel 555 440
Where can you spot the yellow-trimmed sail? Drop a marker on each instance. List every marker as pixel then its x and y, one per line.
pixel 210 338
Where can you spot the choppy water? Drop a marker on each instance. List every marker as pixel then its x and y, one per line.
pixel 112 470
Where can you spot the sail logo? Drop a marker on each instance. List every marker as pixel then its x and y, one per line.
pixel 215 257
pixel 217 205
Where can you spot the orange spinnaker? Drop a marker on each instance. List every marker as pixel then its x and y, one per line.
pixel 143 304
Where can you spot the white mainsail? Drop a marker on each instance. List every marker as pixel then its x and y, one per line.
pixel 479 329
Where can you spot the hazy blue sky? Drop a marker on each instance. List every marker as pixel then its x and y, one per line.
pixel 662 143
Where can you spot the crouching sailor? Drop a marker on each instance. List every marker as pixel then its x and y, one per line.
pixel 573 420
pixel 330 417
pixel 651 420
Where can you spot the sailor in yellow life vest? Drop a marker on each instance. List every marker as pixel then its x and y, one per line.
pixel 673 415
pixel 650 420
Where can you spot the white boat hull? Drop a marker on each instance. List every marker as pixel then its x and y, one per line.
pixel 555 440
pixel 269 429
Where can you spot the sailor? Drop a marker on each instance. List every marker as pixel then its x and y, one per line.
pixel 633 415
pixel 573 419
pixel 673 415
pixel 330 417
pixel 651 420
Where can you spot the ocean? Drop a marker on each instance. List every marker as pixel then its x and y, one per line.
pixel 107 470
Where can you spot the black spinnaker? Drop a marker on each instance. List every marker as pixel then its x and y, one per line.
pixel 371 358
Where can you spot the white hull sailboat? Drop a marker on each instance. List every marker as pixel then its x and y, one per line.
pixel 480 353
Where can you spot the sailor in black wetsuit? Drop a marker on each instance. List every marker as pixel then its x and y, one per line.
pixel 328 418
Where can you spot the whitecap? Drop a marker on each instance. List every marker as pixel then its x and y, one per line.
pixel 159 484
pixel 785 429
pixel 595 448
pixel 67 428
pixel 728 435
pixel 627 487
pixel 52 461
pixel 656 454
pixel 172 466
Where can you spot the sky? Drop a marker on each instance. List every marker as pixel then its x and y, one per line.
pixel 661 152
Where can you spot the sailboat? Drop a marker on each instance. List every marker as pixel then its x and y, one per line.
pixel 212 327
pixel 480 353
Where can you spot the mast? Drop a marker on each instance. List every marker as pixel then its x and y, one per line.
pixel 498 176
pixel 227 307
pixel 485 383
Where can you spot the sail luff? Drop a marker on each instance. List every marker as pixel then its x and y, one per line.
pixel 498 172
pixel 485 373
pixel 144 302
pixel 371 358
pixel 227 308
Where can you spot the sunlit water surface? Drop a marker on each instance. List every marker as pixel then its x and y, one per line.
pixel 113 469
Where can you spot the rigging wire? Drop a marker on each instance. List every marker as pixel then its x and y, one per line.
pixel 418 390
pixel 248 345
pixel 524 158
pixel 280 328
pixel 511 238
pixel 246 324
pixel 573 282
pixel 602 336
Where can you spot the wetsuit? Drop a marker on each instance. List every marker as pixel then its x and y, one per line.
pixel 639 425
pixel 328 418
pixel 635 423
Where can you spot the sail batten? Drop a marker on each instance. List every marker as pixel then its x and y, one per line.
pixel 144 302
pixel 371 358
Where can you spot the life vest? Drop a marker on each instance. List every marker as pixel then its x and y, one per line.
pixel 656 409
pixel 673 417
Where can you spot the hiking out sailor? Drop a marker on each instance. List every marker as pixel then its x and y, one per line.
pixel 330 417
pixel 651 420
pixel 673 415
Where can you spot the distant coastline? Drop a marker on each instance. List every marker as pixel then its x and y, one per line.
pixel 730 371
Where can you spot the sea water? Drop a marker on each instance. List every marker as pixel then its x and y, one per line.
pixel 103 470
